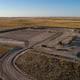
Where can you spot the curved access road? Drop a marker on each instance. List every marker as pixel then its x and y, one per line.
pixel 9 72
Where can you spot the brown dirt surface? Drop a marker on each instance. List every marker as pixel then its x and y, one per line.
pixel 42 67
pixel 4 49
pixel 0 78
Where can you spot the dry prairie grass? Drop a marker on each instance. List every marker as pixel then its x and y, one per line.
pixel 51 22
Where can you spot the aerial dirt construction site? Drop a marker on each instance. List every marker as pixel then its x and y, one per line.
pixel 40 54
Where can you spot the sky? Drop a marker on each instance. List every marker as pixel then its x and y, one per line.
pixel 39 8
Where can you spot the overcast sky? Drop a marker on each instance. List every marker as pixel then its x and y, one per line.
pixel 39 8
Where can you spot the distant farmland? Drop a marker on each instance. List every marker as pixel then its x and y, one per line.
pixel 51 22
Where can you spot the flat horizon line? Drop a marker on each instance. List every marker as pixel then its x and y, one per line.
pixel 39 17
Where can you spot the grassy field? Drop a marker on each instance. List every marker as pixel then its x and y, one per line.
pixel 42 67
pixel 51 22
